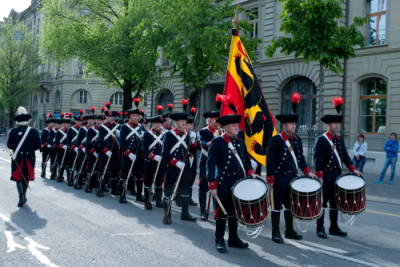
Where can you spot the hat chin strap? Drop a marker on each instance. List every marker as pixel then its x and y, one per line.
pixel 24 122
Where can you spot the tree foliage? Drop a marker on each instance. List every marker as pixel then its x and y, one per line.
pixel 19 64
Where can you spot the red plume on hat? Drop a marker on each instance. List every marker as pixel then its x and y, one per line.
pixel 218 99
pixel 81 112
pixel 62 115
pixel 228 100
pixel 170 106
pixel 93 109
pixel 50 115
pixel 103 109
pixel 119 113
pixel 185 102
pixel 108 105
pixel 295 101
pixel 193 111
pixel 338 103
pixel 159 109
pixel 126 114
pixel 136 101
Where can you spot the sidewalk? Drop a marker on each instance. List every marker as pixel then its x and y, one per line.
pixel 383 192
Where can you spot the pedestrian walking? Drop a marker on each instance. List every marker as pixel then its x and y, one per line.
pixel 391 148
pixel 360 149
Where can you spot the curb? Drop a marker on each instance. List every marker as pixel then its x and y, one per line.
pixel 383 200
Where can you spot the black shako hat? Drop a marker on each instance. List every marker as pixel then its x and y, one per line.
pixel 338 103
pixel 216 113
pixel 180 115
pixel 50 118
pixel 22 115
pixel 158 118
pixel 284 118
pixel 90 116
pixel 109 112
pixel 190 119
pixel 169 113
pixel 230 118
pixel 80 117
pixel 135 110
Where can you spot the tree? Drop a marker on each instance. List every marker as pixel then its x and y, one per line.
pixel 199 39
pixel 116 39
pixel 19 64
pixel 317 36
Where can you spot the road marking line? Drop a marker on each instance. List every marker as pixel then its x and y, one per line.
pixel 383 213
pixel 133 234
pixel 11 244
pixel 305 242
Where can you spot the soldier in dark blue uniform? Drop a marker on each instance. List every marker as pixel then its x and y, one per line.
pixel 192 155
pixel 54 148
pixel 152 148
pixel 93 151
pixel 284 157
pixel 72 136
pixel 46 147
pixel 131 152
pixel 167 119
pixel 61 143
pixel 23 141
pixel 175 145
pixel 329 154
pixel 227 162
pixel 108 140
pixel 144 121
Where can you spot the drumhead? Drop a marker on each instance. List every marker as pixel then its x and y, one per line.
pixel 350 182
pixel 249 189
pixel 305 185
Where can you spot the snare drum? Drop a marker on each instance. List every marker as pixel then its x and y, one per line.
pixel 350 194
pixel 251 201
pixel 306 198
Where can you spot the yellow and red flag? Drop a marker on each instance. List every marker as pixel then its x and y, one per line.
pixel 242 84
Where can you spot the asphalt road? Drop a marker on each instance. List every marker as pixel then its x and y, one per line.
pixel 60 226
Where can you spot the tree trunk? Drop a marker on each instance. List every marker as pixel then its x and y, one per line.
pixel 198 111
pixel 321 96
pixel 11 119
pixel 127 96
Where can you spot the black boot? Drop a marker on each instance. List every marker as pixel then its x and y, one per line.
pixel 334 228
pixel 91 181
pixel 159 203
pixel 276 234
pixel 79 182
pixel 234 240
pixel 185 216
pixel 320 226
pixel 290 233
pixel 100 189
pixel 131 185
pixel 53 174
pixel 219 235
pixel 22 199
pixel 165 209
pixel 146 196
pixel 139 196
pixel 25 186
pixel 70 178
pixel 191 202
pixel 114 187
pixel 120 186
pixel 43 175
pixel 178 199
pixel 60 176
pixel 203 205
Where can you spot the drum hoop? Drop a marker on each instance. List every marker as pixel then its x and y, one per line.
pixel 304 176
pixel 349 174
pixel 306 195
pixel 355 191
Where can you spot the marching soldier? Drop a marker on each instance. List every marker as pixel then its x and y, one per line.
pixel 167 119
pixel 93 149
pixel 81 141
pixel 152 148
pixel 44 139
pixel 284 156
pixel 329 154
pixel 175 146
pixel 227 162
pixel 61 143
pixel 206 135
pixel 143 121
pixel 23 141
pixel 72 136
pixel 192 155
pixel 109 159
pixel 131 152
pixel 54 148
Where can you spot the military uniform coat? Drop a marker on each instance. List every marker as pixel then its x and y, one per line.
pixel 109 142
pixel 206 135
pixel 151 146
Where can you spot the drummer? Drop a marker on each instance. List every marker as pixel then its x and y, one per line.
pixel 329 153
pixel 284 157
pixel 224 168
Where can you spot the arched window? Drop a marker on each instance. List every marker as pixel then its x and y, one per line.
pixel 373 106
pixel 116 99
pixel 82 97
pixel 307 107
pixel 166 98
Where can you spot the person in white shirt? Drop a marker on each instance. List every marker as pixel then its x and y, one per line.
pixel 360 148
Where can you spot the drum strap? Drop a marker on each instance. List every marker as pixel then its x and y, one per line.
pixel 291 151
pixel 335 150
pixel 237 156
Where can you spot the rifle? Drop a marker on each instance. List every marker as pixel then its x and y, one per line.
pixel 23 176
pixel 129 175
pixel 109 180
pixel 55 162
pixel 62 161
pixel 104 172
pixel 151 186
pixel 79 173
pixel 208 207
pixel 71 175
pixel 91 173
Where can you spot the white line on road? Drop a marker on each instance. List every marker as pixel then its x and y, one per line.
pixel 11 244
pixel 133 234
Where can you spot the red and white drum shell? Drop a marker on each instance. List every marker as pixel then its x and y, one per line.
pixel 306 198
pixel 350 194
pixel 251 201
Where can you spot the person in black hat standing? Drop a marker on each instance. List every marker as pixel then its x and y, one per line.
pixel 152 148
pixel 93 150
pixel 144 121
pixel 108 140
pixel 329 154
pixel 284 158
pixel 167 119
pixel 72 136
pixel 46 147
pixel 54 147
pixel 23 141
pixel 206 135
pixel 176 143
pixel 61 143
pixel 227 162
pixel 130 143
pixel 192 155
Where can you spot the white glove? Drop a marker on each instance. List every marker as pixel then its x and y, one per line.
pixel 65 147
pixel 84 150
pixel 76 150
pixel 192 137
pixel 49 146
pixel 191 159
pixel 157 158
pixel 132 156
pixel 180 165
pixel 108 153
pixel 95 154
pixel 117 132
pixel 254 164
